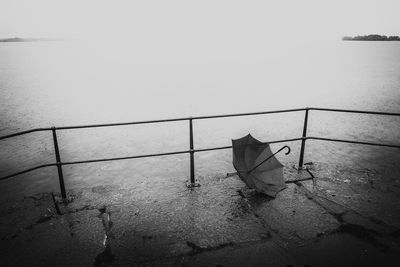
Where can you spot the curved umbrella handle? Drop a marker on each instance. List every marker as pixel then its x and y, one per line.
pixel 282 148
pixel 287 153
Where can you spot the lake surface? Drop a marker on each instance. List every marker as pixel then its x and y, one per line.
pixel 71 83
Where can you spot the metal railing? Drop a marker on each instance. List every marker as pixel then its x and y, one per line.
pixel 59 163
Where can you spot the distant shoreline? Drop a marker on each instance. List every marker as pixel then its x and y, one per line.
pixel 18 39
pixel 371 37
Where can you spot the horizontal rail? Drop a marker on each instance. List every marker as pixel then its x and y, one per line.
pixel 352 142
pixel 119 124
pixel 24 132
pixel 356 111
pixel 162 154
pixel 196 150
pixel 248 114
pixel 179 119
pixel 227 147
pixel 135 157
pixel 212 148
pixel 153 121
pixel 124 158
pixel 28 170
pixel 198 118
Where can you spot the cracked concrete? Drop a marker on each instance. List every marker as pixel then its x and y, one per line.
pixel 339 219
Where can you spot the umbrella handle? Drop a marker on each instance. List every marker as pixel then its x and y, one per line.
pixel 288 152
pixel 258 165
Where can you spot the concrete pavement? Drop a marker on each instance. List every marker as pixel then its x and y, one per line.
pixel 345 217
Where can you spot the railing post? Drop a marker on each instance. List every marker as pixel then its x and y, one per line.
pixel 303 141
pixel 192 178
pixel 58 162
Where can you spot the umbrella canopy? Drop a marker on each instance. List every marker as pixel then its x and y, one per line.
pixel 249 160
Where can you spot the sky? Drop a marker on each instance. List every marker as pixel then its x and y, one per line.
pixel 198 20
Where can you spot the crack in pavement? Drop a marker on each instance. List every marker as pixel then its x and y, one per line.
pixel 106 256
pixel 56 206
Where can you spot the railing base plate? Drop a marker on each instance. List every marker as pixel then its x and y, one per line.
pixel 298 168
pixel 191 185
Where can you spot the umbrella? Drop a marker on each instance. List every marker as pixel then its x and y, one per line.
pixel 257 166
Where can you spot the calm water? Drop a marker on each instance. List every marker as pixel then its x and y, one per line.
pixel 68 83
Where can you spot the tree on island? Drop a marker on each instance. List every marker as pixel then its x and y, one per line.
pixel 18 39
pixel 371 37
pixel 15 39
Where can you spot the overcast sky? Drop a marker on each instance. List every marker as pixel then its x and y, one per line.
pixel 198 20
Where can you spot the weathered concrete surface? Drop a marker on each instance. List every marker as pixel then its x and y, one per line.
pixel 345 217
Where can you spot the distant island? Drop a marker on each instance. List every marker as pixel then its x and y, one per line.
pixel 371 37
pixel 17 39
